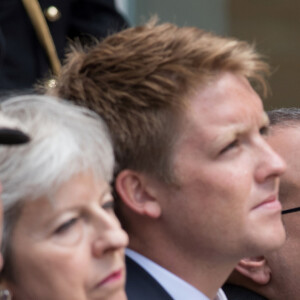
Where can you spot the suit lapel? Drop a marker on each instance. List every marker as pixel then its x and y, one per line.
pixel 140 285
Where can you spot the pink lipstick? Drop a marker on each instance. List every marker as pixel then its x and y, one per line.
pixel 115 276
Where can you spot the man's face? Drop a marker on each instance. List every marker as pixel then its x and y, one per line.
pixel 226 201
pixel 284 263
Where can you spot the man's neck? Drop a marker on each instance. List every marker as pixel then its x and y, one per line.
pixel 176 287
pixel 205 275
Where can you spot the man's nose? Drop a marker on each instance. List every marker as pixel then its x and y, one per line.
pixel 270 164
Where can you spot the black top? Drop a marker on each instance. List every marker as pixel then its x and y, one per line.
pixel 140 285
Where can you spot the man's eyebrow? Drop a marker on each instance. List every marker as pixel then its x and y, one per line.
pixel 234 130
pixel 228 133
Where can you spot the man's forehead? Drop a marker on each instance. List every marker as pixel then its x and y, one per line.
pixel 227 115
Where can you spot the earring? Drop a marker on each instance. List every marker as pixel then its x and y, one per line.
pixel 5 295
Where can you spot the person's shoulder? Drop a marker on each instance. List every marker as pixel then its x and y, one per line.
pixel 141 285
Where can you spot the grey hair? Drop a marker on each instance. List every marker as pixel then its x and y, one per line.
pixel 284 116
pixel 65 140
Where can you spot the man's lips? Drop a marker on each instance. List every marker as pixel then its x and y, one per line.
pixel 271 203
pixel 114 276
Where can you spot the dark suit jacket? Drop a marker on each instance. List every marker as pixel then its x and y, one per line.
pixel 234 292
pixel 142 286
pixel 23 60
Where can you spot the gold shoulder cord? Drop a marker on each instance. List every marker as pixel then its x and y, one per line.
pixel 39 23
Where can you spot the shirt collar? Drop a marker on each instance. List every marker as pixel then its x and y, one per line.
pixel 177 288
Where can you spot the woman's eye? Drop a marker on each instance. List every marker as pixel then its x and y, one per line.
pixel 230 146
pixel 264 130
pixel 109 205
pixel 65 226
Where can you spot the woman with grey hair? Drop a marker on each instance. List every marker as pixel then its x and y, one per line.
pixel 10 134
pixel 61 239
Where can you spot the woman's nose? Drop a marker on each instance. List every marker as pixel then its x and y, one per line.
pixel 111 237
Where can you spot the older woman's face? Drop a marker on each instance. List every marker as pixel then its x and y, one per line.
pixel 69 248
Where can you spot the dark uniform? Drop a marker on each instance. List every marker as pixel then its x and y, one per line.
pixel 23 59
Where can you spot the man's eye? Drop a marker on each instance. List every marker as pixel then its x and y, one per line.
pixel 230 146
pixel 264 130
pixel 65 226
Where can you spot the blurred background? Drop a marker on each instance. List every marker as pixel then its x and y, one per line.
pixel 273 25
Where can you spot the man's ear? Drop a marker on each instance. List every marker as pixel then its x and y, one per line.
pixel 255 268
pixel 137 192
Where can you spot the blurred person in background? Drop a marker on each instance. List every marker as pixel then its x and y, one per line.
pixel 61 239
pixel 24 59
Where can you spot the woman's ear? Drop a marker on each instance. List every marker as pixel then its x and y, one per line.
pixel 5 291
pixel 137 192
pixel 5 294
pixel 255 268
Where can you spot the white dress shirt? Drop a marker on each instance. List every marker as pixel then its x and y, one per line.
pixel 177 288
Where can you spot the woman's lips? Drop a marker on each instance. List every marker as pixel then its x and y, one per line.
pixel 114 276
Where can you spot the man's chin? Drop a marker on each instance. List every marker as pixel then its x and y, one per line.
pixel 268 240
